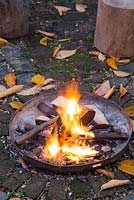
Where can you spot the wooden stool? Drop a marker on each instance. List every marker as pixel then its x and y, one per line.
pixel 115 28
pixel 14 18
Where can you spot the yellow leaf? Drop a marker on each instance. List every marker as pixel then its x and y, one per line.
pixel 123 90
pixel 15 198
pixel 10 79
pixel 47 34
pixel 15 104
pixel 56 50
pixel 106 172
pixel 80 7
pixel 127 166
pixel 121 73
pixel 3 42
pixel 111 62
pixel 43 41
pixel 130 111
pixel 109 93
pixel 113 183
pixel 38 79
pixel 94 53
pixel 62 9
pixel 65 54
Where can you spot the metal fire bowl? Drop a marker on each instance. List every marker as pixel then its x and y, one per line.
pixel 113 113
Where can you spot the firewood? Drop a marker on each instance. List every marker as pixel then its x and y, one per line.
pixel 47 110
pixel 26 136
pixel 88 117
pixel 12 90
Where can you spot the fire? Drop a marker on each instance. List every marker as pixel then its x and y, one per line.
pixel 67 143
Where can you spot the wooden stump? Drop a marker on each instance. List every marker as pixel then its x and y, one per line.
pixel 14 18
pixel 115 28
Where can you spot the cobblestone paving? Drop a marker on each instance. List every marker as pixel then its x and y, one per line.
pixel 27 57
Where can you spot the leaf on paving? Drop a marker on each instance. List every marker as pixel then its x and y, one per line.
pixel 101 57
pixel 99 117
pixel 38 79
pixel 80 7
pixel 47 34
pixel 106 172
pixel 127 166
pixel 30 91
pixel 111 62
pixel 130 111
pixel 43 41
pixel 63 40
pixel 12 90
pixel 112 184
pixel 123 61
pixel 3 42
pixel 10 79
pixel 16 104
pixel 103 89
pixel 62 9
pixel 94 53
pixel 56 50
pixel 48 87
pixel 121 73
pixel 123 90
pixel 48 80
pixel 2 88
pixel 65 54
pixel 15 198
pixel 109 93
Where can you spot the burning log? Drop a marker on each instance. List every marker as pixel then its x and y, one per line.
pixel 47 110
pixel 26 136
pixel 88 117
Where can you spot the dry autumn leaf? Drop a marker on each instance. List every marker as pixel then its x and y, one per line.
pixel 65 54
pixel 111 62
pixel 2 88
pixel 101 57
pixel 123 90
pixel 109 93
pixel 10 79
pixel 112 184
pixel 123 61
pixel 3 42
pixel 38 79
pixel 12 90
pixel 132 122
pixel 43 41
pixel 15 198
pixel 103 89
pixel 80 7
pixel 16 104
pixel 47 34
pixel 130 111
pixel 62 9
pixel 56 50
pixel 106 172
pixel 127 166
pixel 121 73
pixel 94 53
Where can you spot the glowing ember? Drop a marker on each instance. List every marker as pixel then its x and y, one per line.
pixel 66 145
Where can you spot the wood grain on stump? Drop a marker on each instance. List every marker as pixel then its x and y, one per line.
pixel 14 18
pixel 115 28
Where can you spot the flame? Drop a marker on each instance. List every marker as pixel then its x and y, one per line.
pixel 70 116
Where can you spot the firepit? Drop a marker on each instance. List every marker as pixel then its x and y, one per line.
pixel 50 134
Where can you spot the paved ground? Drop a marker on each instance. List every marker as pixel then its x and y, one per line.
pixel 26 57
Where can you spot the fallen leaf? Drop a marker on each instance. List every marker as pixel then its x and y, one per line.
pixel 47 81
pixel 12 90
pixel 48 34
pixel 112 184
pixel 123 90
pixel 99 117
pixel 65 54
pixel 30 91
pixel 62 9
pixel 109 93
pixel 15 198
pixel 63 40
pixel 10 79
pixel 94 53
pixel 80 7
pixel 130 111
pixel 56 50
pixel 48 87
pixel 103 89
pixel 123 61
pixel 106 172
pixel 3 42
pixel 16 104
pixel 127 166
pixel 121 73
pixel 43 41
pixel 23 164
pixel 132 122
pixel 101 57
pixel 2 88
pixel 38 79
pixel 111 62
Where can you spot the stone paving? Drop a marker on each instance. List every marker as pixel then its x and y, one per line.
pixel 26 57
